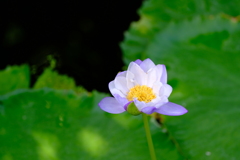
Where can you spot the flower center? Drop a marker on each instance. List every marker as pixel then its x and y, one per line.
pixel 142 93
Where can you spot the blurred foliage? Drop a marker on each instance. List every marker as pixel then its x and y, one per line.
pixel 199 43
pixel 14 77
pixel 52 79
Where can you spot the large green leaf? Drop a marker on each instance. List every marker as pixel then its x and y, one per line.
pixel 14 77
pixel 206 74
pixel 203 62
pixel 155 16
pixel 47 124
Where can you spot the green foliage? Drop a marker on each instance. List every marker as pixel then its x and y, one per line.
pixel 47 124
pixel 15 77
pixel 200 48
pixel 52 79
pixel 157 15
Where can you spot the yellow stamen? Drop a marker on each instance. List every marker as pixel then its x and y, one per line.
pixel 142 93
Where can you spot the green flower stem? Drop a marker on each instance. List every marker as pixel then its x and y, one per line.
pixel 149 138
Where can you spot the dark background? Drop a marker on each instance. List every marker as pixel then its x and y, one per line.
pixel 83 36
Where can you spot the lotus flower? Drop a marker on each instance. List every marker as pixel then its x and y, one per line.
pixel 143 85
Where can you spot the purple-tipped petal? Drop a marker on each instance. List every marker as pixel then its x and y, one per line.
pixel 121 100
pixel 126 105
pixel 171 109
pixel 138 61
pixel 148 110
pixel 111 105
pixel 163 78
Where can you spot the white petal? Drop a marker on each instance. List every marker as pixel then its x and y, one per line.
pixel 111 85
pixel 122 74
pixel 140 105
pixel 147 64
pixel 140 77
pixel 163 100
pixel 153 76
pixel 130 79
pixel 165 90
pixel 114 90
pixel 121 84
pixel 155 101
pixel 160 68
pixel 156 87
